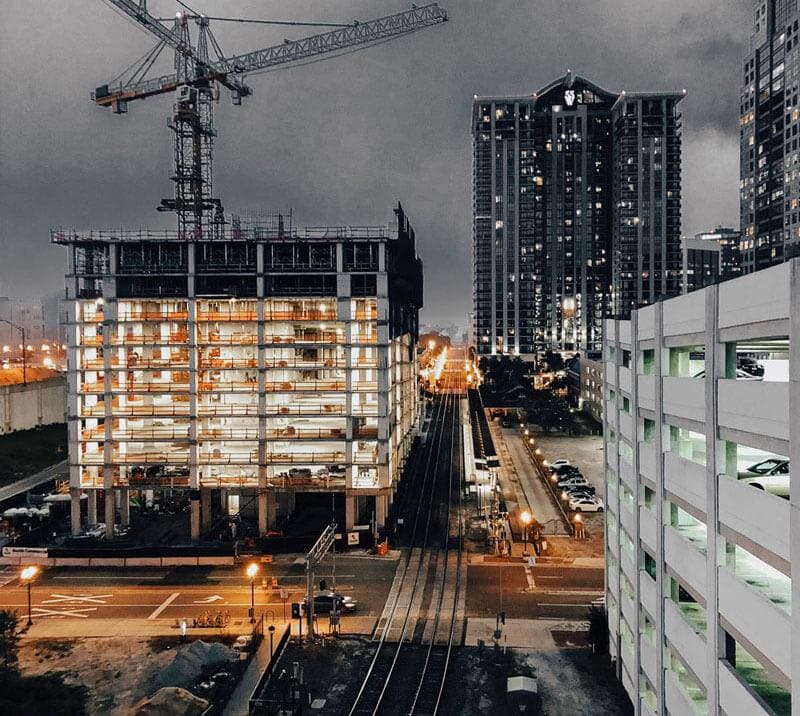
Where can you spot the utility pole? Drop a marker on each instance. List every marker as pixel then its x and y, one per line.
pixel 313 560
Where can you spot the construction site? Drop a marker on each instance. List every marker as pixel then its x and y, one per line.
pixel 238 368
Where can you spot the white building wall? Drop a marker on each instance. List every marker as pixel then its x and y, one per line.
pixel 694 517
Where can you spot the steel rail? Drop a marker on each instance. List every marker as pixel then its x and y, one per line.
pixel 358 705
pixel 428 667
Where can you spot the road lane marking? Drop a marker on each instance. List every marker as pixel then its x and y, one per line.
pixel 209 600
pixel 84 598
pixel 171 598
pixel 64 612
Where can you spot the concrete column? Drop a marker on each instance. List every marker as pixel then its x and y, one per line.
pixel 111 513
pixel 91 508
pixel 794 455
pixel 75 510
pixel 660 445
pixel 125 506
pixel 223 501
pixel 349 511
pixel 263 519
pixel 195 521
pixel 381 509
pixel 715 463
pixel 205 507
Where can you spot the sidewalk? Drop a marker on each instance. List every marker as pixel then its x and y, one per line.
pixel 238 704
pixel 77 628
pixel 521 633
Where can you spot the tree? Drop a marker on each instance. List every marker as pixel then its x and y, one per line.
pixel 9 646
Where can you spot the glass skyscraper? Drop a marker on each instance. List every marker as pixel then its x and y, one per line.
pixel 549 246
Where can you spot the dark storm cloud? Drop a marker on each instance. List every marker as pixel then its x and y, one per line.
pixel 342 140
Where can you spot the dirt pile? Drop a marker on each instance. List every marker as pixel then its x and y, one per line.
pixel 191 661
pixel 170 701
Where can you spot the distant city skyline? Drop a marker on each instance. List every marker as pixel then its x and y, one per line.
pixel 344 139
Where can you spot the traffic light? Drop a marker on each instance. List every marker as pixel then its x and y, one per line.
pixel 295 610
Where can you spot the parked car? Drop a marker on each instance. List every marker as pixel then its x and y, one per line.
pixel 750 365
pixel 561 462
pixel 565 470
pixel 770 466
pixel 586 504
pixel 572 480
pixel 324 603
pixel 740 375
pixel 776 484
pixel 584 489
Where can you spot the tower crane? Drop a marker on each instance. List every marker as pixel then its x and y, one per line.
pixel 196 84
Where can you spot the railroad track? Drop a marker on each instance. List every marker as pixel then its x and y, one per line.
pixel 396 628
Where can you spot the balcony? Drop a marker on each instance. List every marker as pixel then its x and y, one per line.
pixel 152 316
pixel 311 386
pixel 209 433
pixel 685 398
pixel 309 336
pixel 214 338
pixel 217 316
pixel 765 625
pixel 685 560
pixel 229 410
pixel 292 432
pixel 227 363
pixel 757 515
pixel 305 458
pixel 311 409
pixel 758 407
pixel 227 456
pixel 685 479
pixel 227 386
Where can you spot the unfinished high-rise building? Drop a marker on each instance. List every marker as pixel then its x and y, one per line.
pixel 267 363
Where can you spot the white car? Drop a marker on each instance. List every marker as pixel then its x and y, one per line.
pixel 586 504
pixel 777 484
pixel 559 463
pixel 740 375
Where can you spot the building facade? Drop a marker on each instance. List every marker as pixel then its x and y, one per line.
pixel 701 546
pixel 709 258
pixel 266 363
pixel 769 126
pixel 646 238
pixel 543 212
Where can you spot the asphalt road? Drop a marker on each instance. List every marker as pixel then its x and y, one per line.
pixel 564 592
pixel 188 592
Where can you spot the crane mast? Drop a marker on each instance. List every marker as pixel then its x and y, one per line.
pixel 195 87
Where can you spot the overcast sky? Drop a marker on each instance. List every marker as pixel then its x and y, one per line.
pixel 341 141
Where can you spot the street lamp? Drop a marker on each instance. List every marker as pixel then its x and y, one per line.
pixel 252 571
pixel 21 329
pixel 27 575
pixel 526 518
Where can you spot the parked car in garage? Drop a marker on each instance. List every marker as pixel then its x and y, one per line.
pixel 775 484
pixel 771 466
